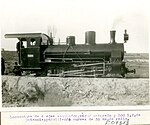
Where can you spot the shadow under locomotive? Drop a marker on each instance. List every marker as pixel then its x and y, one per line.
pixel 42 56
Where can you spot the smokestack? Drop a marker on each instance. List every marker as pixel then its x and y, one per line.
pixel 112 36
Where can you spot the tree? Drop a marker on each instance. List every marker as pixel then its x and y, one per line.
pixel 2 49
pixel 52 30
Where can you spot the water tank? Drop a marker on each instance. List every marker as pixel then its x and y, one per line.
pixel 90 37
pixel 70 40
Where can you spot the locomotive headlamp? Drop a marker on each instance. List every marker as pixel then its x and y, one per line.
pixel 126 36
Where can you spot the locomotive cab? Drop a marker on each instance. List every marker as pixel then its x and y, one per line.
pixel 31 55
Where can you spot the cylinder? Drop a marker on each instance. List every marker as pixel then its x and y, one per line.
pixel 90 37
pixel 112 36
pixel 70 40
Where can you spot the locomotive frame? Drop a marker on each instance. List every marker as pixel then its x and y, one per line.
pixel 44 58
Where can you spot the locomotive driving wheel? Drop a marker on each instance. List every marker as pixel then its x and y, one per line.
pixel 43 72
pixel 108 70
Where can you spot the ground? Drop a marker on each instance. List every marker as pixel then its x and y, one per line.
pixel 28 91
pixel 45 91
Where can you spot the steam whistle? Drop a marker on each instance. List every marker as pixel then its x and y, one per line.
pixel 126 36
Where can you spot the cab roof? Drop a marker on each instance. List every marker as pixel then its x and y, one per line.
pixel 27 35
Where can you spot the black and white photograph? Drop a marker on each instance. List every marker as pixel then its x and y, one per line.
pixel 74 53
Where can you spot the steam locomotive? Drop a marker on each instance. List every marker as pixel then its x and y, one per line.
pixel 42 56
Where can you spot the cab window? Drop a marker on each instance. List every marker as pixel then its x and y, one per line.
pixel 32 42
pixel 24 43
pixel 44 40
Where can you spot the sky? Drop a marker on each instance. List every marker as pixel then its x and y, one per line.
pixel 75 17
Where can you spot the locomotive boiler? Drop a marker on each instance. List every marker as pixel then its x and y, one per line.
pixel 42 56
